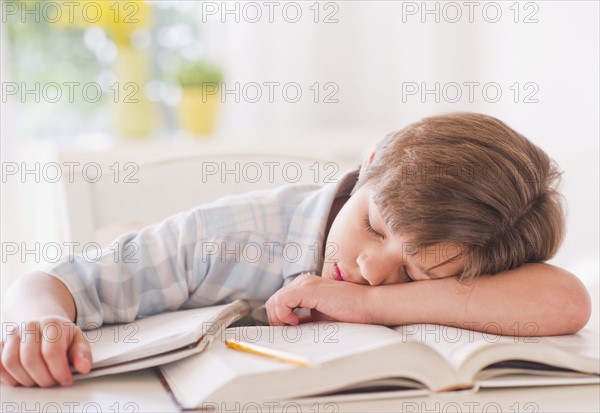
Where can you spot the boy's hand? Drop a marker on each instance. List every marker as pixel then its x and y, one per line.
pixel 327 299
pixel 39 352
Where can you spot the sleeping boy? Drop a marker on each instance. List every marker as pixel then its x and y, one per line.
pixel 448 221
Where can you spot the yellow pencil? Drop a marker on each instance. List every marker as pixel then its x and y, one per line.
pixel 267 352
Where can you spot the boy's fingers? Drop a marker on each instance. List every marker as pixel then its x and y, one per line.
pixel 291 319
pixel 5 376
pixel 55 357
pixel 271 316
pixel 271 313
pixel 274 321
pixel 12 362
pixel 284 303
pixel 80 353
pixel 299 294
pixel 286 314
pixel 31 356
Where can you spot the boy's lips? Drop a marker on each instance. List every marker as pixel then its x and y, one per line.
pixel 338 274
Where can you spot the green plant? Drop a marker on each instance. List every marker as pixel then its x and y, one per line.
pixel 195 74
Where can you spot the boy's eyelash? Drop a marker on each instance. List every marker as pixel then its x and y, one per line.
pixel 407 277
pixel 405 274
pixel 370 228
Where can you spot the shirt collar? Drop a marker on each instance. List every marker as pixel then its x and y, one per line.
pixel 306 233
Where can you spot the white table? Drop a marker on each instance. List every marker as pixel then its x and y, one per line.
pixel 143 392
pixel 139 391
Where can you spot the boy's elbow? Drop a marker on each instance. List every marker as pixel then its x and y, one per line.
pixel 581 311
pixel 578 305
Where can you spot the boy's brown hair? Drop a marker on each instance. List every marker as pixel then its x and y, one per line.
pixel 470 180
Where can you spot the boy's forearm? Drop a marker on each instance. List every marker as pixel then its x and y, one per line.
pixel 37 295
pixel 535 299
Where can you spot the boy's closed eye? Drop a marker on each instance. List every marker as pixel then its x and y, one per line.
pixel 403 269
pixel 370 229
pixel 407 277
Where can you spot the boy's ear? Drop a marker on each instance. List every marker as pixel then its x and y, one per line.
pixel 368 161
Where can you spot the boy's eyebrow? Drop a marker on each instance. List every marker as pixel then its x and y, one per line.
pixel 424 271
pixel 433 276
pixel 418 267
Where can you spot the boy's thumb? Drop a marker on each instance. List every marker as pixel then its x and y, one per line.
pixel 80 353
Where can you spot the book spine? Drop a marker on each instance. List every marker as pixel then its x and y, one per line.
pixel 235 311
pixel 455 387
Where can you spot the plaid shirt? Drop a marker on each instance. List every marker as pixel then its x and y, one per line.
pixel 241 246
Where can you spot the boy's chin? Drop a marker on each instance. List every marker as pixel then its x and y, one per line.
pixel 326 271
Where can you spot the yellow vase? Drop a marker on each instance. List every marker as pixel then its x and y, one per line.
pixel 135 115
pixel 198 111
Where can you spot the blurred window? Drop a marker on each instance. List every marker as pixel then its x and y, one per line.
pixel 83 70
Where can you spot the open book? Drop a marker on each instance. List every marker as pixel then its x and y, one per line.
pixel 345 359
pixel 158 339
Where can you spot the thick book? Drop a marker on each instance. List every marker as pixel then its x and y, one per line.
pixel 347 360
pixel 158 339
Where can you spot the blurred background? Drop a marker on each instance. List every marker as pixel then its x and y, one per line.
pixel 137 80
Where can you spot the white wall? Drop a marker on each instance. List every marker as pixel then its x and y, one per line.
pixel 370 52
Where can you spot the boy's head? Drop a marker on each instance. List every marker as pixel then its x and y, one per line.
pixel 470 180
pixel 453 194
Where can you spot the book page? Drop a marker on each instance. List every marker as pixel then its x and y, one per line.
pixel 319 341
pixel 459 345
pixel 452 343
pixel 217 374
pixel 585 343
pixel 195 378
pixel 151 335
pixel 523 379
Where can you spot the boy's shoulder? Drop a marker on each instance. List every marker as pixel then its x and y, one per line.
pixel 284 195
pixel 273 210
pixel 264 210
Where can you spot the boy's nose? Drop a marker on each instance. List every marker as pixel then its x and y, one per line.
pixel 373 269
